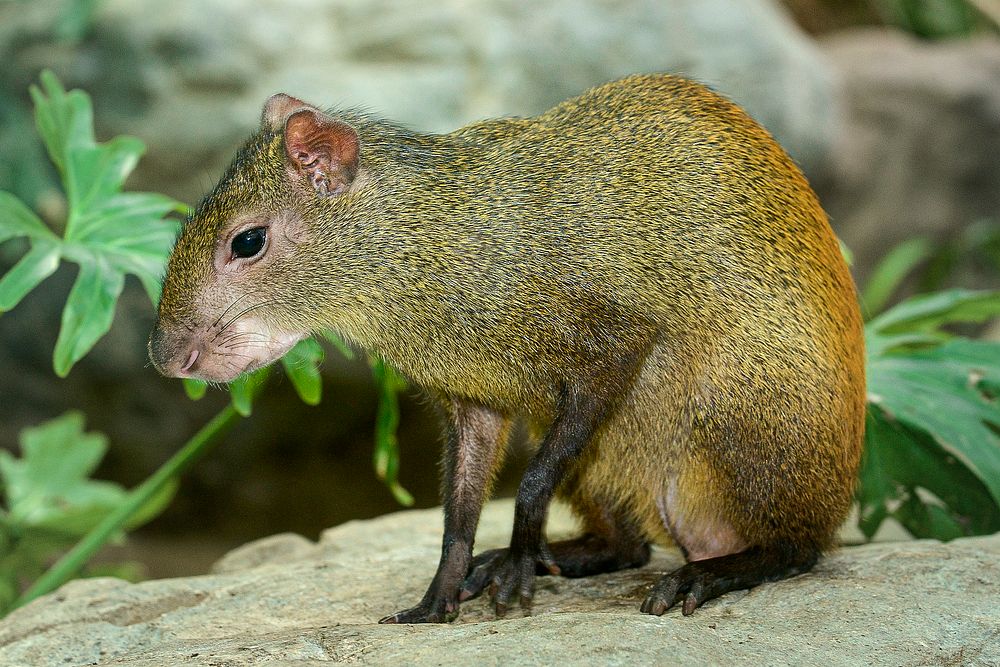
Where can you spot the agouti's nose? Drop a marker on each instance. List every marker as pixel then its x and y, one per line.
pixel 172 357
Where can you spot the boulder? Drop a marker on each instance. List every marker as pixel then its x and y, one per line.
pixel 189 77
pixel 918 149
pixel 287 601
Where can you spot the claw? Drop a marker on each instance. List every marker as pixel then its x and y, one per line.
pixel 548 561
pixel 438 611
pixel 662 597
pixel 700 581
pixel 480 574
pixel 652 606
pixel 694 597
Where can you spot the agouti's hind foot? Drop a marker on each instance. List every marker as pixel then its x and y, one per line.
pixel 581 557
pixel 588 555
pixel 703 580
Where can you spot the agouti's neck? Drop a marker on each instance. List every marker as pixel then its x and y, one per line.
pixel 404 240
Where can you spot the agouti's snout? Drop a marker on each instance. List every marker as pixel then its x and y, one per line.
pixel 215 353
pixel 172 356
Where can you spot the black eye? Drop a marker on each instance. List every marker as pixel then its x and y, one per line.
pixel 249 242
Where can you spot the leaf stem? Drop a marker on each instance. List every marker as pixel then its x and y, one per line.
pixel 66 567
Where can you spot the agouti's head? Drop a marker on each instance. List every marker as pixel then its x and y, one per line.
pixel 243 283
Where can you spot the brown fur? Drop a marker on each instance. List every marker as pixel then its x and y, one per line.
pixel 646 242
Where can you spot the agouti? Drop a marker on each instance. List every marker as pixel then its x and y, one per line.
pixel 641 273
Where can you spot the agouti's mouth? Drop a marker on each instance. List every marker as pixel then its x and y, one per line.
pixel 223 359
pixel 276 350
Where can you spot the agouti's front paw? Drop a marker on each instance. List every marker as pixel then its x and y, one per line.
pixel 438 610
pixel 506 574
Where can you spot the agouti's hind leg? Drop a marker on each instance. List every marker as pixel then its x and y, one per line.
pixel 611 542
pixel 593 554
pixel 702 580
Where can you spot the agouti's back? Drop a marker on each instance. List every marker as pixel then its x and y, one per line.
pixel 649 202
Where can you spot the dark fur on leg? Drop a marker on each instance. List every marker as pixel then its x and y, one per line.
pixel 476 435
pixel 703 580
pixel 612 542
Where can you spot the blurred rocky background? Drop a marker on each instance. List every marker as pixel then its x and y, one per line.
pixel 892 108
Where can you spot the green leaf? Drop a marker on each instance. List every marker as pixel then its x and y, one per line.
pixel 927 519
pixel 939 391
pixel 88 314
pixel 928 312
pixel 75 20
pixel 95 173
pixel 846 252
pixel 48 487
pixel 16 219
pixel 386 455
pixel 301 364
pixel 109 233
pixel 38 264
pixel 140 498
pixel 891 271
pixel 8 588
pixel 241 397
pixel 195 389
pixel 930 18
pixel 302 367
pixel 64 120
pixel 245 388
pixel 339 344
pixel 876 487
pixel 899 461
pixel 934 418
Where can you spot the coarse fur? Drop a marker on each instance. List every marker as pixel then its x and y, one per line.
pixel 641 272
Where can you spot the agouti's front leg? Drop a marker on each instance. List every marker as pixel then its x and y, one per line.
pixel 511 572
pixel 476 434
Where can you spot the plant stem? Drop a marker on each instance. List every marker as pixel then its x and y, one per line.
pixel 66 567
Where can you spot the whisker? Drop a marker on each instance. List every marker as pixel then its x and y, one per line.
pixel 228 308
pixel 238 346
pixel 231 341
pixel 243 312
pixel 245 336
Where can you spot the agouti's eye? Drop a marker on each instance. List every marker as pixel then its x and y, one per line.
pixel 249 243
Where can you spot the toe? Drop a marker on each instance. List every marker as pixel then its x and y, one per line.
pixel 695 596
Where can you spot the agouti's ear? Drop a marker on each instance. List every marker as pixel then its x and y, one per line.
pixel 323 150
pixel 278 108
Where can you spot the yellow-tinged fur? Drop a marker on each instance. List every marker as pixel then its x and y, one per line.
pixel 495 263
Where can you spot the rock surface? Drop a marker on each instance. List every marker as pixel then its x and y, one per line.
pixel 286 601
pixel 918 151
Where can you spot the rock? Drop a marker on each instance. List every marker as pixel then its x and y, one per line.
pixel 281 601
pixel 189 77
pixel 918 146
pixel 274 549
